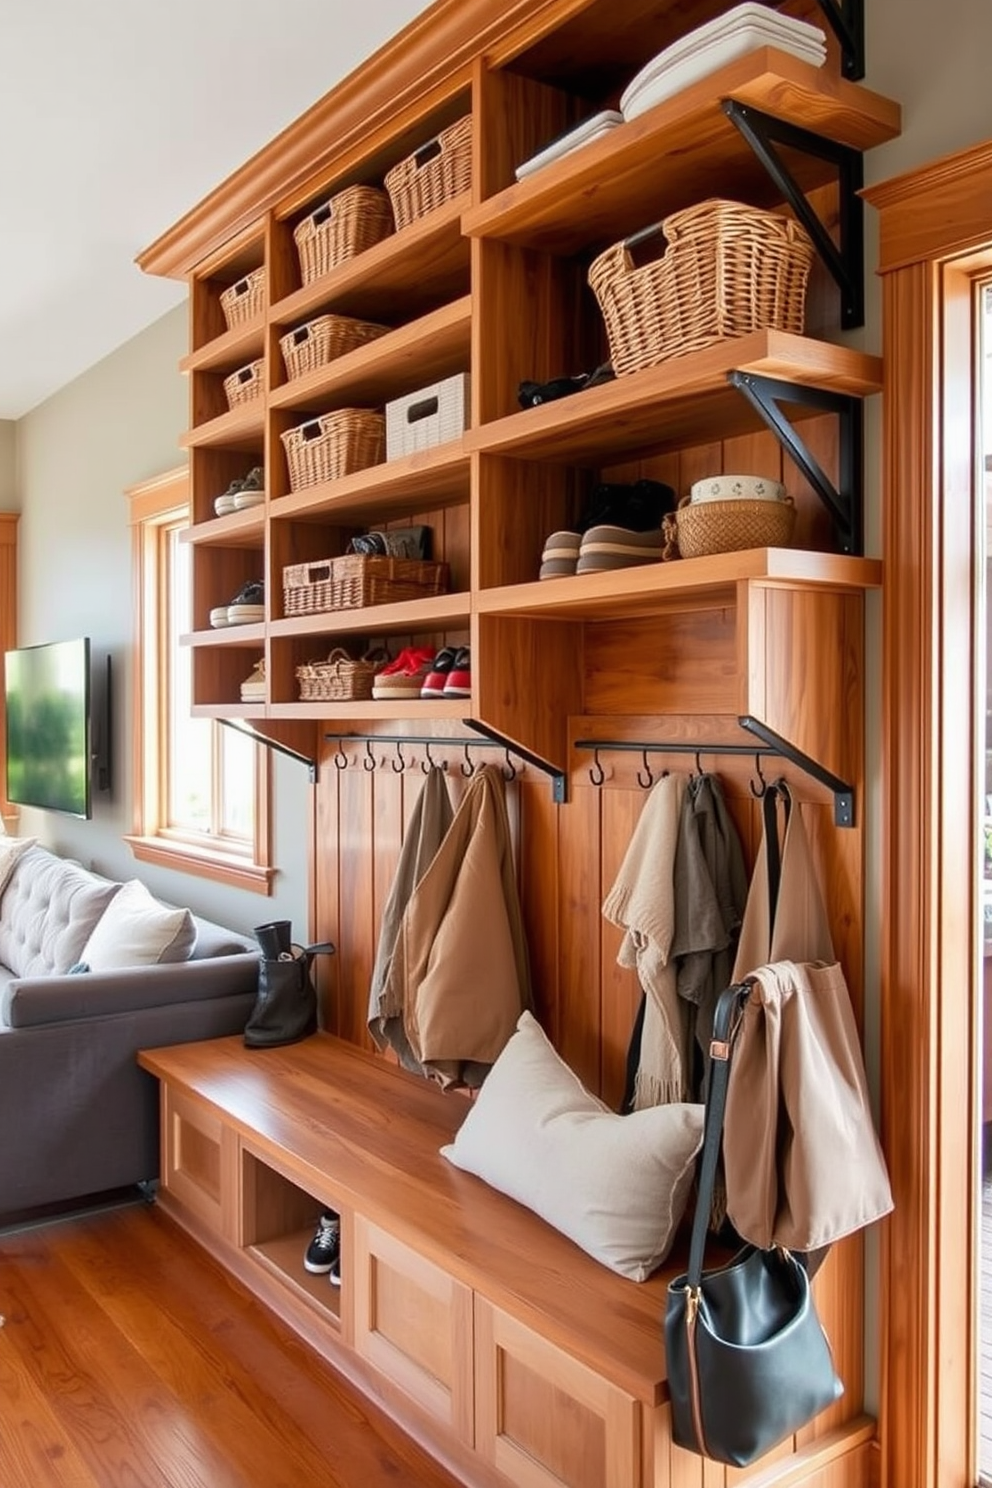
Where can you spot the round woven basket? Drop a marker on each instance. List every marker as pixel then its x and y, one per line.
pixel 727 526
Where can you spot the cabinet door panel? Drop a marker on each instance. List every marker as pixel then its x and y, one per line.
pixel 199 1161
pixel 414 1323
pixel 543 1419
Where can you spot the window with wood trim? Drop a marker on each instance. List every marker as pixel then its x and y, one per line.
pixel 201 790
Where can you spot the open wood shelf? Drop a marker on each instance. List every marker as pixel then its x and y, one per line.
pixel 438 612
pixel 226 635
pixel 242 529
pixel 426 260
pixel 655 587
pixel 418 709
pixel 438 476
pixel 680 152
pixel 686 400
pixel 236 347
pixel 426 349
pixel 239 429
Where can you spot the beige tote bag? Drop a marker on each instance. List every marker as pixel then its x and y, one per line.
pixel 802 1163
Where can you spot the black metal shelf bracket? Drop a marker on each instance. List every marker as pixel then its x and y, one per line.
pixel 847 21
pixel 845 501
pixel 771 745
pixel 243 726
pixel 490 740
pixel 846 264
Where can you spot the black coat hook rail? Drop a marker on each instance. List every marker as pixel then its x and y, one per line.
pixel 772 745
pixel 488 740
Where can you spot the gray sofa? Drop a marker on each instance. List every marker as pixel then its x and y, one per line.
pixel 77 1115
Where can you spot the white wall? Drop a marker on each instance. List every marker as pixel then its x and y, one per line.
pixel 116 425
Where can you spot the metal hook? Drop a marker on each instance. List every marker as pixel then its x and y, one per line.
pixel 368 763
pixel 399 763
pixel 699 764
pixel 509 768
pixel 645 770
pixel 596 772
pixel 759 791
pixel 467 765
pixel 430 763
pixel 340 759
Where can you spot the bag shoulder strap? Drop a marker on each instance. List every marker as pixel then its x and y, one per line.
pixel 726 1023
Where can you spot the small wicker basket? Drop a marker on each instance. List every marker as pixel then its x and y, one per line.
pixel 432 175
pixel 338 679
pixel 335 444
pixel 320 341
pixel 702 527
pixel 347 224
pixel 355 580
pixel 246 384
pixel 728 270
pixel 245 300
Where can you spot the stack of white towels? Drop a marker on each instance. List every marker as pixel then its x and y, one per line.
pixel 743 29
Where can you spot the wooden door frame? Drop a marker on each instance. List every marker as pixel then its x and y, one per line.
pixel 935 238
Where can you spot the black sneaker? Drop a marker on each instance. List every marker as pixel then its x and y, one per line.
pixel 324 1250
pixel 334 1275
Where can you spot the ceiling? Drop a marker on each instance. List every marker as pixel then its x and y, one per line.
pixel 117 117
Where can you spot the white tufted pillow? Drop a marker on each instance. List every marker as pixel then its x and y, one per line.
pixel 139 931
pixel 10 850
pixel 616 1185
pixel 48 912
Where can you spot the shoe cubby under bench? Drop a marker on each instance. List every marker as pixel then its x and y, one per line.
pixel 486 1334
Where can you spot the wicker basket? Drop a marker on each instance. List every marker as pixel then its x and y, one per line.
pixel 333 445
pixel 432 175
pixel 347 224
pixel 246 384
pixel 338 679
pixel 245 300
pixel 320 341
pixel 354 580
pixel 701 527
pixel 728 270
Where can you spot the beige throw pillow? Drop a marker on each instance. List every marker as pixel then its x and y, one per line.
pixel 616 1185
pixel 136 930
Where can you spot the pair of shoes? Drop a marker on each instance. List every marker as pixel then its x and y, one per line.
pixel 323 1254
pixel 253 687
pixel 637 506
pixel 246 608
pixel 398 542
pixel 533 394
pixel 450 674
pixel 599 550
pixel 243 493
pixel 405 675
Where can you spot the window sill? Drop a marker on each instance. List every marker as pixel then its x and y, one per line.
pixel 201 863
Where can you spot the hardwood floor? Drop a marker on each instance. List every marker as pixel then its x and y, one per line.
pixel 128 1359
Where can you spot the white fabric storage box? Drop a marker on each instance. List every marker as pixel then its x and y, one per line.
pixel 433 415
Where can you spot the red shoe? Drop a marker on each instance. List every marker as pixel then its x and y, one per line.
pixel 438 675
pixel 404 677
pixel 459 679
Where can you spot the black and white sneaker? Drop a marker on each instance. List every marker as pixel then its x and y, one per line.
pixel 324 1249
pixel 334 1275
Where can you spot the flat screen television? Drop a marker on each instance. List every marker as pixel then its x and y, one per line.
pixel 48 726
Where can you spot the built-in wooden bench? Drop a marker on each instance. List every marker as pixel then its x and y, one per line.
pixel 494 1339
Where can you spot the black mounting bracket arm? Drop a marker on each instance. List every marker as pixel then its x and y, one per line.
pixel 845 501
pixel 846 263
pixel 847 21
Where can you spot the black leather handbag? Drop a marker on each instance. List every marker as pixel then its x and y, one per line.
pixel 285 1009
pixel 748 1361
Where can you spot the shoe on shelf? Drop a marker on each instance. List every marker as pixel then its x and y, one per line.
pixel 405 676
pixel 561 553
pixel 253 687
pixel 605 548
pixel 458 682
pixel 248 605
pixel 224 503
pixel 433 684
pixel 638 506
pixel 324 1249
pixel 252 490
pixel 334 1275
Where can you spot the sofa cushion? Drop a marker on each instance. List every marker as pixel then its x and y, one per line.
pixel 616 1185
pixel 136 930
pixel 10 850
pixel 48 913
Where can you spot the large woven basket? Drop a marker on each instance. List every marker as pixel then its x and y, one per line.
pixel 241 302
pixel 432 175
pixel 320 341
pixel 355 580
pixel 728 270
pixel 338 679
pixel 702 527
pixel 335 444
pixel 347 224
pixel 244 385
